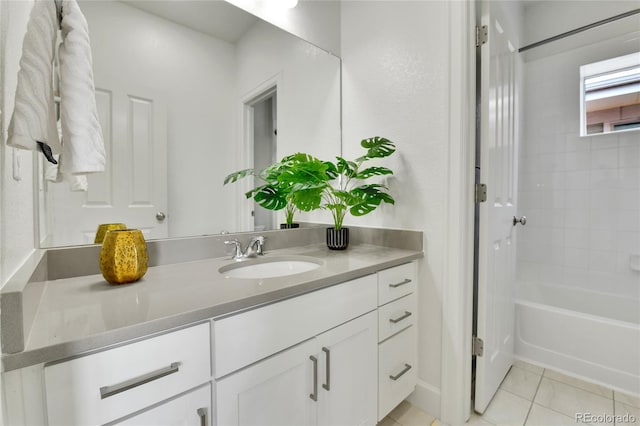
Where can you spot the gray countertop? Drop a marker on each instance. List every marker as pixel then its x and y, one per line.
pixel 82 314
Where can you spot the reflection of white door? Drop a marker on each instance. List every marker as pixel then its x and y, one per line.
pixel 133 188
pixel 498 170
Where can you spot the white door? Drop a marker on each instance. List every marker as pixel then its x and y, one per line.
pixel 498 170
pixel 191 409
pixel 349 373
pixel 272 392
pixel 133 188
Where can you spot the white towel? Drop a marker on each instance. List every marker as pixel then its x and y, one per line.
pixel 83 147
pixel 34 117
pixel 52 172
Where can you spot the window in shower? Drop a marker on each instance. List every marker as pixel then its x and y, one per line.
pixel 610 95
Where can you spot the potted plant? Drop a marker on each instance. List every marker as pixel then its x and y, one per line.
pixel 339 187
pixel 274 194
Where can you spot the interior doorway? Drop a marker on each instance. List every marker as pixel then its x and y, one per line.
pixel 261 137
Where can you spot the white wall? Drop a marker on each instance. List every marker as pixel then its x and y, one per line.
pixel 16 196
pixel 396 84
pixel 581 195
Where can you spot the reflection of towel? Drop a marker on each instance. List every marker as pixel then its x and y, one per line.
pixel 52 172
pixel 33 118
pixel 83 148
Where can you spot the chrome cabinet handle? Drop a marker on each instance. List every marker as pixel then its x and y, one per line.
pixel 327 378
pixel 202 412
pixel 406 368
pixel 406 315
pixel 160 216
pixel 107 391
pixel 521 220
pixel 314 395
pixel 403 282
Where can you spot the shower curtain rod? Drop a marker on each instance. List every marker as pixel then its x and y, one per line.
pixel 579 30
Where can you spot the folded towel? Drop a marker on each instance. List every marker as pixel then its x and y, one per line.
pixel 83 147
pixel 33 118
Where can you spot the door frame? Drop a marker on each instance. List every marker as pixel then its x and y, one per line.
pixel 457 291
pixel 271 86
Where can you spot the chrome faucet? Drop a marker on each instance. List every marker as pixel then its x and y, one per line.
pixel 254 248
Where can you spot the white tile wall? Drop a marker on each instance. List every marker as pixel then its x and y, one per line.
pixel 581 195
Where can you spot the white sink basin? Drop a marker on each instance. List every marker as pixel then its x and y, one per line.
pixel 269 267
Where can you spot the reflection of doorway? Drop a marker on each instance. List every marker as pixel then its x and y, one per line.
pixel 262 138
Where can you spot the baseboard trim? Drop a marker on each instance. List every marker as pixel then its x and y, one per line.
pixel 427 398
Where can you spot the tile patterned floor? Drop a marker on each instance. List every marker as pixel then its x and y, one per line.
pixel 534 396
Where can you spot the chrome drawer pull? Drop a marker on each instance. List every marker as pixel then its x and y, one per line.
pixel 407 367
pixel 327 378
pixel 107 391
pixel 406 315
pixel 314 395
pixel 403 282
pixel 202 413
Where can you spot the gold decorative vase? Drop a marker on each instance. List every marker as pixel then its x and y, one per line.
pixel 123 257
pixel 103 228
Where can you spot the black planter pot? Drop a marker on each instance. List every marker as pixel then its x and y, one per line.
pixel 337 239
pixel 289 226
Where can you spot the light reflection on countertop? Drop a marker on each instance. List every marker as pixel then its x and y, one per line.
pixel 81 314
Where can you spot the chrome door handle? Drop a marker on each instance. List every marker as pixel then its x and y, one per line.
pixel 107 391
pixel 407 367
pixel 406 314
pixel 403 282
pixel 160 216
pixel 327 377
pixel 202 413
pixel 314 395
pixel 522 220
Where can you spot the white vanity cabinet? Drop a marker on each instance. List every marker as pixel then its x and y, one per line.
pixel 341 355
pixel 328 378
pixel 108 385
pixel 398 343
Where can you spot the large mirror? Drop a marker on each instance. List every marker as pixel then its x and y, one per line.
pixel 188 92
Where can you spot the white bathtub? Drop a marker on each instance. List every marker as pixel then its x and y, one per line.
pixel 604 350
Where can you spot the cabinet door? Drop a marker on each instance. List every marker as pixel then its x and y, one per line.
pixel 275 391
pixel 191 409
pixel 348 373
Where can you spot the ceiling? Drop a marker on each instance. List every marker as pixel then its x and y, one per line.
pixel 216 18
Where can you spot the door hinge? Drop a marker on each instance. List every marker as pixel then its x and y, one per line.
pixel 481 193
pixel 482 35
pixel 477 346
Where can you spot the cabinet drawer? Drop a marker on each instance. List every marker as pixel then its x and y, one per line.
pixel 190 409
pixel 107 385
pixel 397 373
pixel 396 316
pixel 396 282
pixel 248 337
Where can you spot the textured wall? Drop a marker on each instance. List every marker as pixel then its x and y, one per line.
pixel 16 216
pixel 395 84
